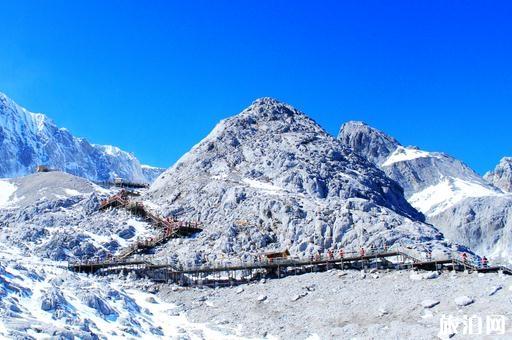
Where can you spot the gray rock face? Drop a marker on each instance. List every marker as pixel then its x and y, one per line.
pixel 270 177
pixel 414 169
pixel 99 304
pixel 367 141
pixel 30 139
pixel 465 207
pixel 53 300
pixel 501 176
pixel 483 223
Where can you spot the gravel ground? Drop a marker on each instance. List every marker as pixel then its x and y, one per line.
pixel 348 304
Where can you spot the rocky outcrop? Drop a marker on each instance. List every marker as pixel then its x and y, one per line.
pixel 501 176
pixel 367 141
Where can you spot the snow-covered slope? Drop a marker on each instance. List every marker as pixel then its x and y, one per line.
pixel 501 176
pixel 151 173
pixel 41 299
pixel 48 218
pixel 465 207
pixel 270 177
pixel 432 181
pixel 29 139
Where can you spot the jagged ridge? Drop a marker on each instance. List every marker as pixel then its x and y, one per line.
pixel 29 139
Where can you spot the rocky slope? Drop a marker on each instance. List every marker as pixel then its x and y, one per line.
pixel 501 176
pixel 432 181
pixel 41 299
pixel 351 305
pixel 270 177
pixel 29 139
pixel 54 215
pixel 465 207
pixel 482 223
pixel 48 218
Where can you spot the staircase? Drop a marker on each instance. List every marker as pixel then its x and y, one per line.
pixel 167 228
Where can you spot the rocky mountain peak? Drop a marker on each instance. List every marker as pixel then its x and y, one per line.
pixel 275 143
pixel 29 139
pixel 270 177
pixel 371 143
pixel 501 176
pixel 271 114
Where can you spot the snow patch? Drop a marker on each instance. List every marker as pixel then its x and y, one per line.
pixel 406 154
pixel 269 187
pixel 6 191
pixel 450 191
pixel 71 192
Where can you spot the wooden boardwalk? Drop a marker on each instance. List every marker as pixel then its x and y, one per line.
pixel 167 228
pixel 214 274
pixel 243 271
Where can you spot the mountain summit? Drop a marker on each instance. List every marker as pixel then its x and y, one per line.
pixel 270 177
pixel 432 181
pixel 273 142
pixel 29 139
pixel 466 208
pixel 367 141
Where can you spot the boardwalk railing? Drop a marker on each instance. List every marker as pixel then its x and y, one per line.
pixel 232 271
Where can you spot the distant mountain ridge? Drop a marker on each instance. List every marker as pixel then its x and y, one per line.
pixel 30 139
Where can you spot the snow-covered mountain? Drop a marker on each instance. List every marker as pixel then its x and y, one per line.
pixel 29 139
pixel 271 177
pixel 501 176
pixel 432 181
pixel 465 207
pixel 151 173
pixel 268 178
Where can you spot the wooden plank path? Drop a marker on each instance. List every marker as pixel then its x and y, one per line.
pixel 212 273
pixel 397 259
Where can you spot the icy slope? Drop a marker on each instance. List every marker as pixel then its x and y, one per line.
pixel 29 139
pixel 41 299
pixel 448 193
pixel 270 177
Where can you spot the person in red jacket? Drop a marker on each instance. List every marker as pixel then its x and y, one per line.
pixel 361 251
pixel 342 253
pixel 484 262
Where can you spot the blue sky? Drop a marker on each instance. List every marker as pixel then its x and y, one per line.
pixel 155 77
